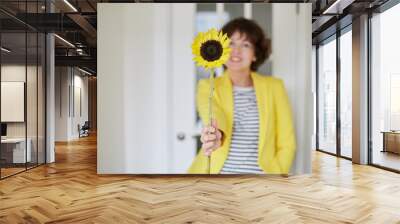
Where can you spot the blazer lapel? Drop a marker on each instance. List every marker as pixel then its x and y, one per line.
pixel 226 94
pixel 260 89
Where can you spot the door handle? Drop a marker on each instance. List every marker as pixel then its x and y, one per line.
pixel 181 136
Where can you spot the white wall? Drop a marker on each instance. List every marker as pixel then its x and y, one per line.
pixel 79 117
pixel 61 104
pixel 131 93
pixel 291 61
pixel 67 81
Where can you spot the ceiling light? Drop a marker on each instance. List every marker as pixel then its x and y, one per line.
pixel 70 5
pixel 65 41
pixel 328 10
pixel 84 71
pixel 338 6
pixel 5 49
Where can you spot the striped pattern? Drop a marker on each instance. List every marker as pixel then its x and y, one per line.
pixel 243 154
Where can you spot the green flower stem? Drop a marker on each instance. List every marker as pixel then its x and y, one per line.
pixel 210 113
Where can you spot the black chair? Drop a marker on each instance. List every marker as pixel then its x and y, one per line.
pixel 84 130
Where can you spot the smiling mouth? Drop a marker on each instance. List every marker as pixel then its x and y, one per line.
pixel 235 59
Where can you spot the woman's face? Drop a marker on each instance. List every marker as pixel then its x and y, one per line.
pixel 242 53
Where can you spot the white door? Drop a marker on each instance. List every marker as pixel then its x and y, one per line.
pixel 146 88
pixel 183 87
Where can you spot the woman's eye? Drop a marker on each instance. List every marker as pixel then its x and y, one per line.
pixel 247 45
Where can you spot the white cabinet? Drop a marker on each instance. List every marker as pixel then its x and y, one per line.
pixel 18 149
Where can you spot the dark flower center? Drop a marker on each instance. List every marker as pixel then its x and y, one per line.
pixel 211 50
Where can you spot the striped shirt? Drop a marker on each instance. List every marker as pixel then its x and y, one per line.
pixel 243 153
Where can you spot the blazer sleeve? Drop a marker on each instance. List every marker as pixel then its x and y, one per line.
pixel 285 133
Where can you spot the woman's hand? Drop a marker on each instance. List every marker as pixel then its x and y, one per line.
pixel 211 138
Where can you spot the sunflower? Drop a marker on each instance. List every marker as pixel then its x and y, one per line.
pixel 211 49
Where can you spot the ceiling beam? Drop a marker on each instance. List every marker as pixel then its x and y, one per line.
pixel 84 61
pixel 84 24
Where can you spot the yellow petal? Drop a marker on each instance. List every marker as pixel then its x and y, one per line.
pixel 201 38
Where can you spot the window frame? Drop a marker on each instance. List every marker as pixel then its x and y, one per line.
pixel 334 37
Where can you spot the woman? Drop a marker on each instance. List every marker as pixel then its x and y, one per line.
pixel 252 129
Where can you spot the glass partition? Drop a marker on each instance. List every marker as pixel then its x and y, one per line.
pixel 22 88
pixel 13 109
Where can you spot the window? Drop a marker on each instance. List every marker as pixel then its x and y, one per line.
pixel 327 96
pixel 346 94
pixel 385 89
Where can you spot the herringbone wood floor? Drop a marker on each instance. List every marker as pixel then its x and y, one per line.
pixel 70 191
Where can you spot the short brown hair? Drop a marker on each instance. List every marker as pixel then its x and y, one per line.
pixel 254 34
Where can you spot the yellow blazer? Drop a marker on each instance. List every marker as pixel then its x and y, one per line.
pixel 276 144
